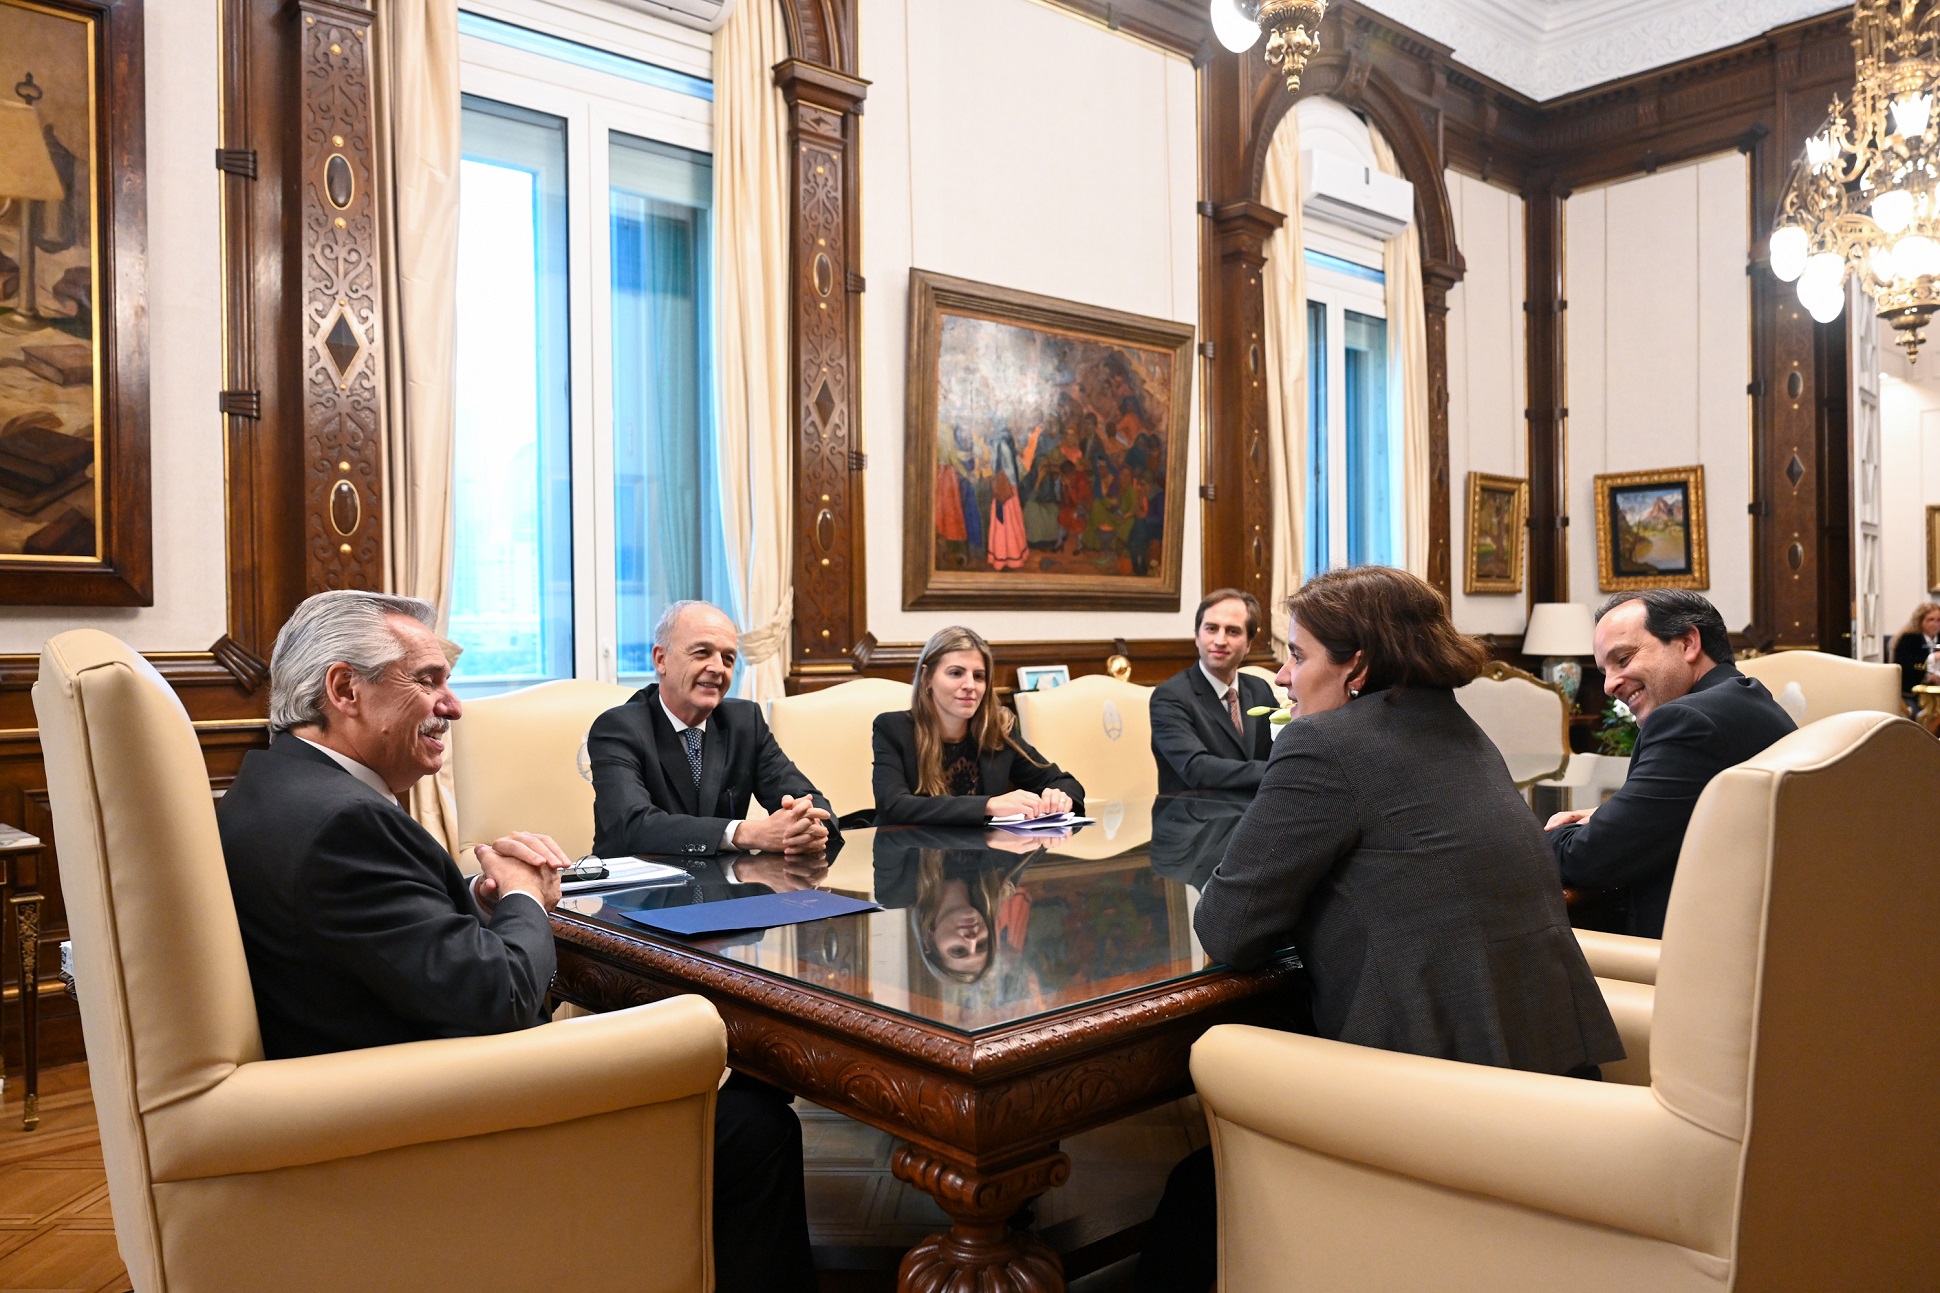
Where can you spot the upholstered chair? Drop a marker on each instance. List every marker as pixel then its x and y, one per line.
pixel 1786 1139
pixel 574 1155
pixel 518 763
pixel 827 734
pixel 1527 718
pixel 1625 957
pixel 1099 730
pixel 1266 676
pixel 1828 684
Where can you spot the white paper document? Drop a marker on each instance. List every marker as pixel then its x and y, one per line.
pixel 624 872
pixel 1050 822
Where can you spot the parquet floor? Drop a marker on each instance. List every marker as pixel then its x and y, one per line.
pixel 55 1229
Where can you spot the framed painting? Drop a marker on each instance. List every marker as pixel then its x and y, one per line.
pixel 74 505
pixel 1045 451
pixel 1933 549
pixel 1650 530
pixel 1498 533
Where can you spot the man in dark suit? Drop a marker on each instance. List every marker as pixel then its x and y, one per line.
pixel 676 767
pixel 359 930
pixel 1665 654
pixel 1202 736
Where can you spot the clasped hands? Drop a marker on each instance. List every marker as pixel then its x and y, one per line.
pixel 1030 805
pixel 522 862
pixel 797 828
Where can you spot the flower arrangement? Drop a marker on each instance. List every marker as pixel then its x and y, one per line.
pixel 1616 735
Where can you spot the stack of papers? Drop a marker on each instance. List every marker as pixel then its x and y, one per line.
pixel 622 872
pixel 1050 822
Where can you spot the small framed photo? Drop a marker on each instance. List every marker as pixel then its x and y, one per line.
pixel 1933 549
pixel 1498 532
pixel 1042 677
pixel 1650 530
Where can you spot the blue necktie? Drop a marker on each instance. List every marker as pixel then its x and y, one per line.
pixel 692 737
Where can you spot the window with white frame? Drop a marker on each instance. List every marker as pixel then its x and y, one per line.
pixel 587 493
pixel 1354 486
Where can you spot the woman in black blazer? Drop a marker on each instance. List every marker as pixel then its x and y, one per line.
pixel 1915 644
pixel 951 759
pixel 1390 847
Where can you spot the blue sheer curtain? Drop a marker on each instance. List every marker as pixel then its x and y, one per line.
pixel 1372 480
pixel 1319 527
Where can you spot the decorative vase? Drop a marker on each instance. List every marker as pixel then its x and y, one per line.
pixel 1565 673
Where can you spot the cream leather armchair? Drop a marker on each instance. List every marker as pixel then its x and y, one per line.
pixel 1831 684
pixel 1786 1139
pixel 518 763
pixel 574 1155
pixel 827 734
pixel 1099 730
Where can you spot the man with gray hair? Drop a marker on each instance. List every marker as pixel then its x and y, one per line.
pixel 358 927
pixel 677 767
pixel 1665 654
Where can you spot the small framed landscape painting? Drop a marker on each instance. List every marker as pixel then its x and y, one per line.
pixel 1933 549
pixel 1498 531
pixel 1650 530
pixel 1042 677
pixel 1045 451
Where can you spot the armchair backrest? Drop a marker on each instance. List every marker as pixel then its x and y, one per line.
pixel 1831 684
pixel 166 1006
pixel 1527 718
pixel 827 735
pixel 518 763
pixel 1266 676
pixel 1099 730
pixel 1794 991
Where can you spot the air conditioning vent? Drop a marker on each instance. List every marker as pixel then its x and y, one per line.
pixel 701 15
pixel 1348 192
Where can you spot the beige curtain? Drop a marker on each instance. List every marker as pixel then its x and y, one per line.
pixel 751 209
pixel 1285 282
pixel 417 113
pixel 1408 345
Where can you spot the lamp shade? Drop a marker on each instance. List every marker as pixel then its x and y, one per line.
pixel 1559 628
pixel 26 169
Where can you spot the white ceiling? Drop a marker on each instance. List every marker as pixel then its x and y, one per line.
pixel 1547 48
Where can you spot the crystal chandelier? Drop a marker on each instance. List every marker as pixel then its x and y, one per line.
pixel 1865 197
pixel 1292 28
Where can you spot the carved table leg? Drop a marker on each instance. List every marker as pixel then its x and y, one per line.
pixel 26 919
pixel 980 1251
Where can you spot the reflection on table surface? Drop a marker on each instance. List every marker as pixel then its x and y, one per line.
pixel 982 927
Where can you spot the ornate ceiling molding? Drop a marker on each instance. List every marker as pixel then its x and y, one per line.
pixel 1550 48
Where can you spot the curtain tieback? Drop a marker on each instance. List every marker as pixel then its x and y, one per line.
pixel 763 644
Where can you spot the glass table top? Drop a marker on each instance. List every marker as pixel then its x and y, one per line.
pixel 981 927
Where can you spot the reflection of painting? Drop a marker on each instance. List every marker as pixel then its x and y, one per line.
pixel 1650 530
pixel 1498 523
pixel 49 489
pixel 1045 451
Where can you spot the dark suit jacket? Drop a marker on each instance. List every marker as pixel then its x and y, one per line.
pixel 1193 737
pixel 644 797
pixel 1389 844
pixel 358 927
pixel 1633 841
pixel 1003 770
pixel 1190 835
pixel 1910 654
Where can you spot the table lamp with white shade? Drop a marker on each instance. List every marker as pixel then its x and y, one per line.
pixel 27 176
pixel 1559 631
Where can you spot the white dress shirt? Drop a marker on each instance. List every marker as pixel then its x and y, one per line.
pixel 727 836
pixel 1219 688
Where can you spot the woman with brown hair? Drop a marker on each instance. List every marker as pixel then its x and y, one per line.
pixel 1390 847
pixel 951 759
pixel 1915 646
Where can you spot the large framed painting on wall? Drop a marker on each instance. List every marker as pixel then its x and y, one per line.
pixel 74 506
pixel 1045 451
pixel 1498 530
pixel 1650 530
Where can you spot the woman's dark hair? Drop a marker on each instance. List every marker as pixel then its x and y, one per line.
pixel 1670 613
pixel 1397 622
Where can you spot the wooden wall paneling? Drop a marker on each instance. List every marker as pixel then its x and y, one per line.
pixel 343 410
pixel 1239 520
pixel 1544 304
pixel 1153 660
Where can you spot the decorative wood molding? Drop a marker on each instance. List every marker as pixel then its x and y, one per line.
pixel 343 410
pixel 1544 323
pixel 1238 522
pixel 250 670
pixel 1153 659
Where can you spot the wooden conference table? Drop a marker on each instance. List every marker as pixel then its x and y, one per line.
pixel 1078 1007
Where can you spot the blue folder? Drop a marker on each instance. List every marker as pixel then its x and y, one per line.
pixel 763 912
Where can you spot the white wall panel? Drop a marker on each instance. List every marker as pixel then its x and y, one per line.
pixel 1658 352
pixel 1909 402
pixel 184 299
pixel 1487 377
pixel 1014 143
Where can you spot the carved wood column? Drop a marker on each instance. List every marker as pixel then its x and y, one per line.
pixel 830 576
pixel 343 411
pixel 1436 282
pixel 1239 520
pixel 1548 418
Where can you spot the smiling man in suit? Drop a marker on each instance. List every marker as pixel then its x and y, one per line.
pixel 676 767
pixel 1202 736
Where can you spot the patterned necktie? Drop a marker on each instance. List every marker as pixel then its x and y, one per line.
pixel 692 738
pixel 1232 707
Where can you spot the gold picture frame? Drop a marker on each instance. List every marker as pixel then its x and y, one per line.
pixel 1933 548
pixel 1650 530
pixel 1498 533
